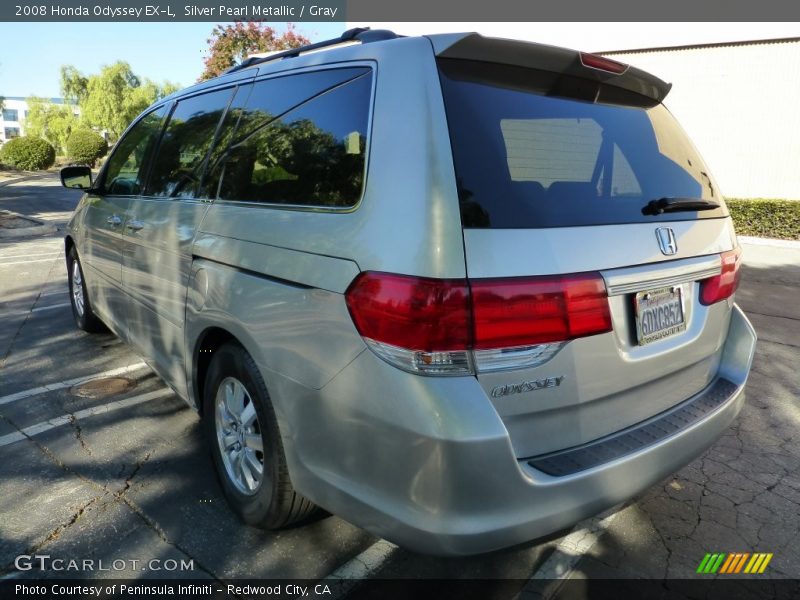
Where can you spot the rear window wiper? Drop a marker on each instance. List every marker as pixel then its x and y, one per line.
pixel 662 205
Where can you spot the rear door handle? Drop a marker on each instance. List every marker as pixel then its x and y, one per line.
pixel 113 220
pixel 135 225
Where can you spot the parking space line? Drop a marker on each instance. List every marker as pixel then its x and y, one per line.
pixel 49 307
pixel 570 549
pixel 17 436
pixel 60 385
pixel 358 568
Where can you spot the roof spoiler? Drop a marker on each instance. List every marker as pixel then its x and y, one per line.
pixel 473 46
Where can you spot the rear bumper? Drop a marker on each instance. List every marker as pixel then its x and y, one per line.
pixel 427 463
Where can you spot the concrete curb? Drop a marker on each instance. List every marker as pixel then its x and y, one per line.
pixel 41 229
pixel 775 243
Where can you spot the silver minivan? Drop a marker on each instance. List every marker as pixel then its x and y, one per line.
pixel 460 291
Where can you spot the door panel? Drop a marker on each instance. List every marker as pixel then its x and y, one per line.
pixel 101 255
pixel 106 213
pixel 160 229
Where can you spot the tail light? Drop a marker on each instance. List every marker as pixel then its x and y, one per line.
pixel 722 286
pixel 447 326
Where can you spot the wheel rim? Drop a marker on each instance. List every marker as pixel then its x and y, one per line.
pixel 239 436
pixel 77 288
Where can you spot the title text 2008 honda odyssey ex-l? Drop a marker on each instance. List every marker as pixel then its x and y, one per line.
pixel 460 291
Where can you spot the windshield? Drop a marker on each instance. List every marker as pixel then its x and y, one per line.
pixel 528 153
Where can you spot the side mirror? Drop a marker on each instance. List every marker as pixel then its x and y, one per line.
pixel 78 178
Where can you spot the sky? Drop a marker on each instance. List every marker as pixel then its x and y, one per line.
pixel 32 53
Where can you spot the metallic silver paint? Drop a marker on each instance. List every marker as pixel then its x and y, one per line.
pixel 433 463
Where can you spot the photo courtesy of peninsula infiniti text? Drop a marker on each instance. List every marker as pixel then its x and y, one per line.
pixel 462 292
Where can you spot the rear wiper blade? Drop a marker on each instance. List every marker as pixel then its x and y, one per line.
pixel 662 205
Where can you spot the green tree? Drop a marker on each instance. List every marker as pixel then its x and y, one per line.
pixel 230 44
pixel 52 122
pixel 114 97
pixel 73 85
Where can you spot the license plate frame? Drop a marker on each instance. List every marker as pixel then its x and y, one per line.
pixel 649 320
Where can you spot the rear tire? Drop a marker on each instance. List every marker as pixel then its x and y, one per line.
pixel 85 318
pixel 246 447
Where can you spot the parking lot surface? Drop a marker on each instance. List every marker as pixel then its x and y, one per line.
pixel 117 470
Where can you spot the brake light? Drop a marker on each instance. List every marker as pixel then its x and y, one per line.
pixel 602 63
pixel 722 286
pixel 446 326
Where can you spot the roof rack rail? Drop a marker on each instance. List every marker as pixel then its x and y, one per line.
pixel 365 35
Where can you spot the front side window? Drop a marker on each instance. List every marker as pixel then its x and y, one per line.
pixel 189 133
pixel 10 114
pixel 127 166
pixel 314 154
pixel 11 132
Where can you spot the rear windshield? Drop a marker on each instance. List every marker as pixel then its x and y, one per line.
pixel 527 156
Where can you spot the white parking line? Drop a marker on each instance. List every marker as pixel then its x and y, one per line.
pixel 17 436
pixel 570 549
pixel 358 568
pixel 60 385
pixel 49 307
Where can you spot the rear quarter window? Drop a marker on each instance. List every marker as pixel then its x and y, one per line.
pixel 313 154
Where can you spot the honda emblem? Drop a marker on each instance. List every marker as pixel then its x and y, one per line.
pixel 666 241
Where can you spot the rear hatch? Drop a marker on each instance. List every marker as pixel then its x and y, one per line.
pixel 599 251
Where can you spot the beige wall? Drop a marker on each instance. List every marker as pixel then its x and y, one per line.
pixel 741 106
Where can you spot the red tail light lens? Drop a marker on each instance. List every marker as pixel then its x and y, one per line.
pixel 602 63
pixel 430 324
pixel 723 285
pixel 538 310
pixel 414 313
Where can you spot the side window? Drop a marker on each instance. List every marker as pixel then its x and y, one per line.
pixel 313 155
pixel 189 133
pixel 127 166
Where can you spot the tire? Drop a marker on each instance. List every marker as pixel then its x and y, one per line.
pixel 242 431
pixel 85 318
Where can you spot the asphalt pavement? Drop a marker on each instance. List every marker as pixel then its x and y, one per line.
pixel 120 472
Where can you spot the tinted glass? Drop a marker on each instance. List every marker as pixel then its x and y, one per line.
pixel 268 99
pixel 182 153
pixel 312 155
pixel 525 156
pixel 127 167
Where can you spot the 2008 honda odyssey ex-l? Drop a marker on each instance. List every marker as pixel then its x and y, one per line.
pixel 460 291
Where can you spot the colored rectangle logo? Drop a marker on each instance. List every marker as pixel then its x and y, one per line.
pixel 734 563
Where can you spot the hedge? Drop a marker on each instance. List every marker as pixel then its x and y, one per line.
pixel 28 153
pixel 768 218
pixel 84 147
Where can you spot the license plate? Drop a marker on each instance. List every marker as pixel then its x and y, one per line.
pixel 659 314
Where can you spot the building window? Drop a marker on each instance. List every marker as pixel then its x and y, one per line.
pixel 10 114
pixel 12 132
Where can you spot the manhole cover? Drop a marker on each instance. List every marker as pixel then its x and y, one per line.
pixel 103 388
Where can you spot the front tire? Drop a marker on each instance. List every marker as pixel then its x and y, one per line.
pixel 85 318
pixel 246 447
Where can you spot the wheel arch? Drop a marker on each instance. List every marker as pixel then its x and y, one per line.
pixel 209 340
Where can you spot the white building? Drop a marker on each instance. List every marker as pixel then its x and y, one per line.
pixel 740 104
pixel 15 111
